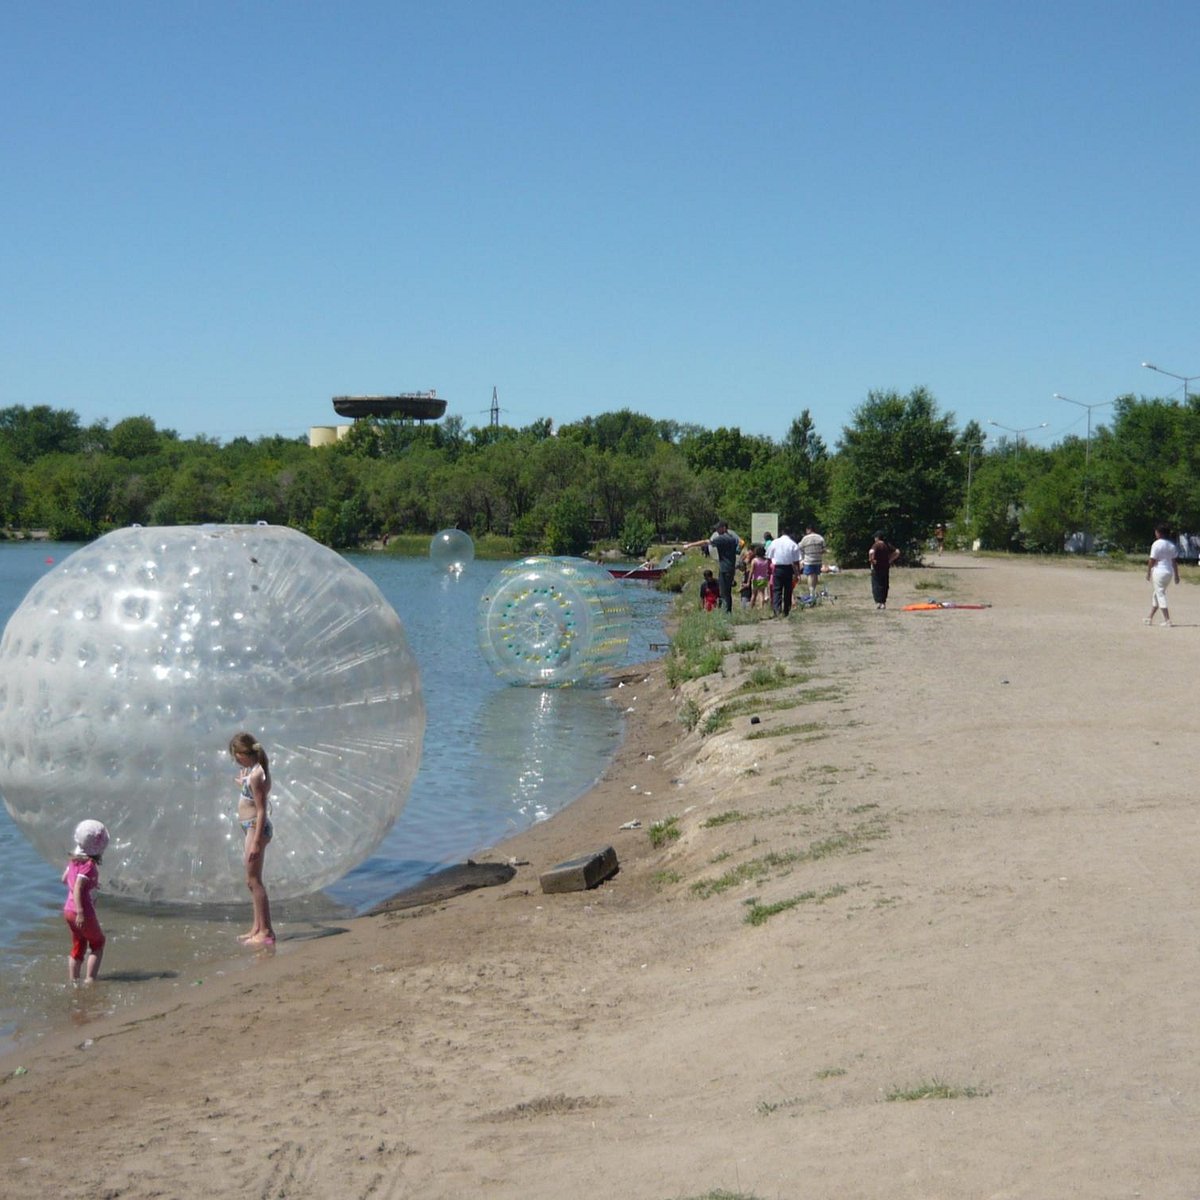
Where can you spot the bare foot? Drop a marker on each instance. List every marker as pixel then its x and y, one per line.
pixel 261 939
pixel 246 937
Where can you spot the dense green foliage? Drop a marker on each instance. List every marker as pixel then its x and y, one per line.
pixel 896 471
pixel 620 478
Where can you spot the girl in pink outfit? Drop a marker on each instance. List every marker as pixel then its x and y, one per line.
pixel 760 579
pixel 82 877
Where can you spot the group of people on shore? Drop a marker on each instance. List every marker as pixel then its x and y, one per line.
pixel 770 569
pixel 82 874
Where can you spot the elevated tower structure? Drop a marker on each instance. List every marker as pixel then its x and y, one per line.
pixel 409 406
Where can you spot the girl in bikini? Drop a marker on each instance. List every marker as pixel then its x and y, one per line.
pixel 254 782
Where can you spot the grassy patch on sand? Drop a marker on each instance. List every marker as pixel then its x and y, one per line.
pixel 747 647
pixel 760 914
pixel 664 831
pixel 723 716
pixel 939 583
pixel 734 816
pixel 698 645
pixel 850 842
pixel 726 818
pixel 719 1194
pixel 766 678
pixel 935 1089
pixel 784 730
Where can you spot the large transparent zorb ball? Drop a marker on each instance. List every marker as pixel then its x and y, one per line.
pixel 127 669
pixel 548 622
pixel 452 550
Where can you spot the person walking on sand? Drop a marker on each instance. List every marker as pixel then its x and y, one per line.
pixel 1162 567
pixel 82 878
pixel 881 556
pixel 254 785
pixel 812 551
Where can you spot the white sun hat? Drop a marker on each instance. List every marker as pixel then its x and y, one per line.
pixel 90 838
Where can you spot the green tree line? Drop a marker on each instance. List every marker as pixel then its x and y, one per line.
pixel 620 478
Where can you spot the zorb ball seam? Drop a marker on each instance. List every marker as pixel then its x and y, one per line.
pixel 127 668
pixel 549 622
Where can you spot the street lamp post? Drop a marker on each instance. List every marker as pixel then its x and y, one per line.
pixel 1186 378
pixel 970 463
pixel 1087 459
pixel 1019 432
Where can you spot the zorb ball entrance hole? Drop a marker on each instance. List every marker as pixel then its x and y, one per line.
pixel 548 622
pixel 127 669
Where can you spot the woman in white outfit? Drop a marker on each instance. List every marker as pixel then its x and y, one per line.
pixel 1161 568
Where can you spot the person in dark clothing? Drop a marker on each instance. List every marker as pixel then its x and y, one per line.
pixel 725 544
pixel 710 592
pixel 881 556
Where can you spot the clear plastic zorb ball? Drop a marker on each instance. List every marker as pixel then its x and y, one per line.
pixel 548 622
pixel 452 550
pixel 127 669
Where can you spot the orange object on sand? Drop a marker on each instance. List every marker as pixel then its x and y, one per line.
pixel 938 606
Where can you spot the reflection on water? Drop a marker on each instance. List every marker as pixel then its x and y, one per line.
pixel 533 751
pixel 525 739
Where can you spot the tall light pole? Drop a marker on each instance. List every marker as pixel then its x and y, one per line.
pixel 1087 458
pixel 1019 432
pixel 1186 378
pixel 970 463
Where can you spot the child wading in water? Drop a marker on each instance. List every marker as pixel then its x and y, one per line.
pixel 254 781
pixel 82 877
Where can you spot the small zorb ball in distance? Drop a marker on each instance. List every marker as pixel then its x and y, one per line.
pixel 547 622
pixel 452 550
pixel 128 668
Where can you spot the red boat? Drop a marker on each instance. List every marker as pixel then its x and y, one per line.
pixel 651 573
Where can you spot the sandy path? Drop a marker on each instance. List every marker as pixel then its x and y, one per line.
pixel 989 815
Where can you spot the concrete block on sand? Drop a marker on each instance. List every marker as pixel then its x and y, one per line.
pixel 579 874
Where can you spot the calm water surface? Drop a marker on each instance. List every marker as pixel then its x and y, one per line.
pixel 495 760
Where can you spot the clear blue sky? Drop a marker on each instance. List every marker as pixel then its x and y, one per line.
pixel 223 214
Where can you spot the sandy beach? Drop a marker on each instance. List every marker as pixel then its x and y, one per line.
pixel 967 838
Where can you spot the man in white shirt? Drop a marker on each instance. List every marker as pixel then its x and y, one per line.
pixel 1162 568
pixel 812 551
pixel 784 554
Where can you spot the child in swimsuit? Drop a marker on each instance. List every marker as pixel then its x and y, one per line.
pixel 760 578
pixel 254 783
pixel 82 878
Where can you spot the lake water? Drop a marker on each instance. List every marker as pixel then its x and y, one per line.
pixel 495 760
